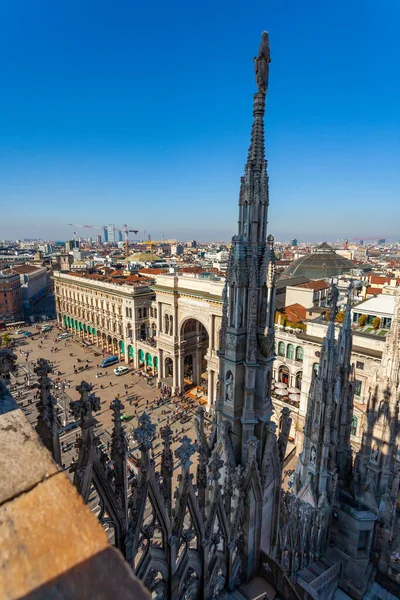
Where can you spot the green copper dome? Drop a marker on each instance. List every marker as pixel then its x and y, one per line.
pixel 321 263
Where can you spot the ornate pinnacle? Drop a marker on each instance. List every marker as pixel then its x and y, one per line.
pixel 119 444
pixel 84 388
pixel 166 434
pixel 185 451
pixel 82 409
pixel 215 465
pixel 42 368
pixel 333 304
pixel 145 433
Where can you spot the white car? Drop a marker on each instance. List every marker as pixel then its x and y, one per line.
pixel 19 331
pixel 64 335
pixel 121 370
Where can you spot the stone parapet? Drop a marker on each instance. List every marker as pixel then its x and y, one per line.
pixel 52 546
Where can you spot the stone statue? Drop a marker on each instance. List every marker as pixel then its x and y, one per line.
pixel 313 455
pixel 229 386
pixel 261 64
pixel 333 302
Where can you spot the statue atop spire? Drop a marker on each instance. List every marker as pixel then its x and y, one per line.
pixel 261 64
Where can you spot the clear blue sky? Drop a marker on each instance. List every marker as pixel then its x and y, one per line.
pixel 140 113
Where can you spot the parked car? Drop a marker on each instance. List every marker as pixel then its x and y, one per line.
pixel 121 370
pixel 46 328
pixel 27 334
pixel 110 360
pixel 62 336
pixel 20 331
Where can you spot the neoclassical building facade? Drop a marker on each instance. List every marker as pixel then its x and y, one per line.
pixel 170 328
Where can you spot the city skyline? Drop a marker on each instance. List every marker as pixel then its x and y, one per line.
pixel 135 120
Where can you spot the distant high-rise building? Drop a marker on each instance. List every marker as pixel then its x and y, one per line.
pixel 382 241
pixel 176 249
pixel 111 234
pixel 98 240
pixel 120 238
pixel 192 244
pixel 71 244
pixel 105 234
pixel 294 242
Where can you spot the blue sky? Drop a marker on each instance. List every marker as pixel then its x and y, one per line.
pixel 140 113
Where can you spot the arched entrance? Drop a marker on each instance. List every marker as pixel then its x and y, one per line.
pixel 283 374
pixel 149 362
pixel 195 347
pixel 188 368
pixel 169 367
pixel 141 358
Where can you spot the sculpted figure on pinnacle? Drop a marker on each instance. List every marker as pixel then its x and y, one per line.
pixel 261 64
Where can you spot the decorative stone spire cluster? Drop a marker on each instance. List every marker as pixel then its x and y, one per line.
pixel 326 455
pixel 377 466
pixel 47 422
pixel 247 330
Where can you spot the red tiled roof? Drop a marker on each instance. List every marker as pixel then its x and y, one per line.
pixel 378 280
pixel 319 284
pixel 296 313
pixel 23 269
pixel 372 290
pixel 191 270
pixel 152 271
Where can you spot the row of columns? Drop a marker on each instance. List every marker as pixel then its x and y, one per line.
pixel 107 343
pixel 112 345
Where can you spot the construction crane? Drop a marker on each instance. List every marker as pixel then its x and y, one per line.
pixel 150 242
pixel 126 233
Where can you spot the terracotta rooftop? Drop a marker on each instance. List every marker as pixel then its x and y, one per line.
pixel 374 290
pixel 296 313
pixel 24 269
pixel 319 284
pixel 152 271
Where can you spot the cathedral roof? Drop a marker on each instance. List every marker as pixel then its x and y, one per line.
pixel 322 263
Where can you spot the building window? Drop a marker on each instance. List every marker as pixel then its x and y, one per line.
pixel 281 349
pixel 299 353
pixel 290 352
pixel 353 427
pixel 315 369
pixel 357 387
pixel 360 365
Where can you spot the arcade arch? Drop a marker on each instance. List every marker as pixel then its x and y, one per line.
pixel 195 345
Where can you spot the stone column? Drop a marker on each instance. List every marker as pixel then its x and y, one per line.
pixel 211 389
pixel 159 317
pixel 160 365
pixel 196 356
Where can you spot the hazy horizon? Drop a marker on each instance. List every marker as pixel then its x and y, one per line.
pixel 132 116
